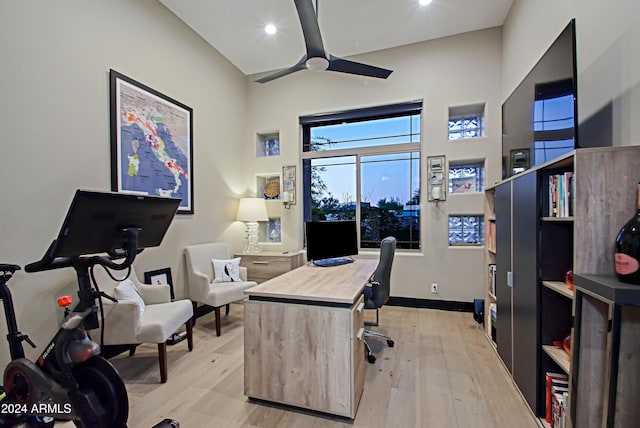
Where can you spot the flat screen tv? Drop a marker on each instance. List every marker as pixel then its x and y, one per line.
pixel 539 119
pixel 330 243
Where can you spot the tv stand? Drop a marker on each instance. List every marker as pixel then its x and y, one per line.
pixel 336 261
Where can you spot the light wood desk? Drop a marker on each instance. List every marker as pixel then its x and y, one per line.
pixel 303 338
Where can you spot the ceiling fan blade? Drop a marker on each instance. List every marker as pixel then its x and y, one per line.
pixel 345 66
pixel 310 28
pixel 299 66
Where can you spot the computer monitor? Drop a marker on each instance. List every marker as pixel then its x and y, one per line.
pixel 95 222
pixel 329 242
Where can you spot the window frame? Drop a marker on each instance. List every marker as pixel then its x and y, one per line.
pixel 406 109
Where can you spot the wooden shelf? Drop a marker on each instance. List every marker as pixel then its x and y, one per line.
pixel 558 219
pixel 559 287
pixel 560 356
pixel 491 250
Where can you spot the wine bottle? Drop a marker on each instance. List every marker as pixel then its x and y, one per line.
pixel 627 255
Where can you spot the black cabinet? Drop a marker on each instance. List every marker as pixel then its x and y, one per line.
pixel 517 217
pixel 524 263
pixel 504 334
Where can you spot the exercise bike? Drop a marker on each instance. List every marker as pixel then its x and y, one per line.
pixel 70 380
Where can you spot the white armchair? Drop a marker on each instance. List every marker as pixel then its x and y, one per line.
pixel 202 289
pixel 143 314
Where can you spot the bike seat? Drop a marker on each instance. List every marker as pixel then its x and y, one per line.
pixel 8 268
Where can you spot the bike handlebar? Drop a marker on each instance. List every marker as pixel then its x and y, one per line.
pixel 129 252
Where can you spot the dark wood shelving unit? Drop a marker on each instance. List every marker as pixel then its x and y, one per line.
pixel 532 254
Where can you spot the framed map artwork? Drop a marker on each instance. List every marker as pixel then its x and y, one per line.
pixel 151 142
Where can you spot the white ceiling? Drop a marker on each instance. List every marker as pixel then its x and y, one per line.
pixel 348 27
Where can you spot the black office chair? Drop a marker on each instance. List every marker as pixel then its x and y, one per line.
pixel 377 294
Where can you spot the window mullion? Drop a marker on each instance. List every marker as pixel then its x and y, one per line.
pixel 358 197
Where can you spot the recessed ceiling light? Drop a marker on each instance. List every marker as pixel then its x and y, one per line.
pixel 270 29
pixel 424 2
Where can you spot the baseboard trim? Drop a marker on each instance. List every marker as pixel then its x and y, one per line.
pixel 444 305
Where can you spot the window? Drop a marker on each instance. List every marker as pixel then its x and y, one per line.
pixel 466 122
pixel 466 177
pixel 466 230
pixel 365 165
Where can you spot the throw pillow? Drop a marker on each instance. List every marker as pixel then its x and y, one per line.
pixel 226 270
pixel 126 290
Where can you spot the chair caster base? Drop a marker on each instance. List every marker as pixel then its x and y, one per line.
pixel 371 358
pixel 390 343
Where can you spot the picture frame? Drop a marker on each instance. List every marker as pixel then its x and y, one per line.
pixel 151 142
pixel 289 185
pixel 160 276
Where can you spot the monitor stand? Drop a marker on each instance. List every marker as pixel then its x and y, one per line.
pixel 333 261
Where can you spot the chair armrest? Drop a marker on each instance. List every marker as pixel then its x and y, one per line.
pixel 198 286
pixel 154 293
pixel 121 322
pixel 243 273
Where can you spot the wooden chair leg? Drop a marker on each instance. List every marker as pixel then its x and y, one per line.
pixel 162 359
pixel 190 335
pixel 195 307
pixel 226 309
pixel 217 311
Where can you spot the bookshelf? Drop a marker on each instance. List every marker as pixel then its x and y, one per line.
pixel 598 201
pixel 490 263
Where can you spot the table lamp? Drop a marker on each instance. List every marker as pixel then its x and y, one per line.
pixel 251 211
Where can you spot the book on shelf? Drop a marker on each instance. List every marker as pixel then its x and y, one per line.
pixel 493 312
pixel 556 407
pixel 561 194
pixel 492 278
pixel 558 380
pixel 490 239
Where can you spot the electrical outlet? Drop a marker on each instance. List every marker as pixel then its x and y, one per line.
pixel 434 287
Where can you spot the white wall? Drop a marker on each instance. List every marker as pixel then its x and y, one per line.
pixel 453 71
pixel 54 118
pixel 608 59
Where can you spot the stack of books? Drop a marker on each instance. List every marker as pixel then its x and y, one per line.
pixel 561 192
pixel 557 398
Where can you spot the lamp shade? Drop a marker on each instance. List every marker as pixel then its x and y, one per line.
pixel 252 209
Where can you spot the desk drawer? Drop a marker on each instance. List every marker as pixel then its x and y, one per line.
pixel 261 268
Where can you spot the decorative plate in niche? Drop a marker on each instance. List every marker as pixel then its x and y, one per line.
pixel 272 189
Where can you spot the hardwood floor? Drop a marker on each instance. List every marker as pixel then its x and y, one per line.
pixel 442 372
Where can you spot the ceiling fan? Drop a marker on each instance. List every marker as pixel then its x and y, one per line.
pixel 316 58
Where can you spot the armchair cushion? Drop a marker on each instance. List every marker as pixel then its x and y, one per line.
pixel 154 293
pixel 125 290
pixel 162 320
pixel 226 270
